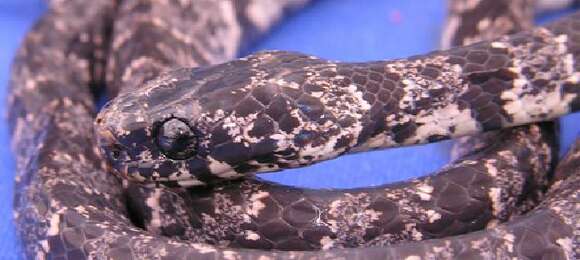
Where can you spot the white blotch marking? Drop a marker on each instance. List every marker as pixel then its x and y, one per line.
pixel 317 94
pixel 203 248
pixel 54 223
pixel 278 137
pixel 163 251
pixel 81 210
pixel 326 242
pixel 190 183
pixel 415 234
pixel 433 215
pixel 378 141
pixel 440 121
pixel 153 203
pixel 491 169
pixel 251 235
pixel 221 169
pixel 45 246
pixel 478 244
pixel 525 107
pixel 424 191
pixel 499 45
pixel 510 238
pixel 483 24
pixel 495 196
pixel 373 215
pixel 255 204
pixel 567 244
pixel 358 95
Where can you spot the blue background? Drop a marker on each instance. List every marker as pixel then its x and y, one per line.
pixel 335 29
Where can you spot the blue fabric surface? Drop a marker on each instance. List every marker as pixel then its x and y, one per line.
pixel 342 30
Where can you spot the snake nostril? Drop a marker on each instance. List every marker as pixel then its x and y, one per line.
pixel 109 145
pixel 115 154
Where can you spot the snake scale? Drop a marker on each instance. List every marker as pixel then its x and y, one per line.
pixel 274 110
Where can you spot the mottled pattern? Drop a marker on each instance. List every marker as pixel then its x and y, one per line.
pixel 69 206
pixel 471 21
pixel 502 179
pixel 276 110
pixel 186 33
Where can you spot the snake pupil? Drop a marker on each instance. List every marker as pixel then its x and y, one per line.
pixel 176 139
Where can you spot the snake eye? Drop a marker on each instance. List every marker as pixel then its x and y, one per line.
pixel 176 139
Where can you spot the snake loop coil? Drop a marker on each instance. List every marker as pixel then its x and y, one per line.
pixel 185 128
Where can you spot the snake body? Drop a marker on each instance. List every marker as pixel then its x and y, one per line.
pixel 69 206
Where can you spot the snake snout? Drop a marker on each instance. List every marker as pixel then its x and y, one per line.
pixel 109 148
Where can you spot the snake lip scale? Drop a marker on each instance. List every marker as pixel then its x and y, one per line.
pixel 191 127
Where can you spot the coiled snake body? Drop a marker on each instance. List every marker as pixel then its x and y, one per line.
pixel 275 110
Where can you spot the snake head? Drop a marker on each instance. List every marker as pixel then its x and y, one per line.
pixel 196 126
pixel 150 134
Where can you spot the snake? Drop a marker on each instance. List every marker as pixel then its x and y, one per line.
pixel 275 110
